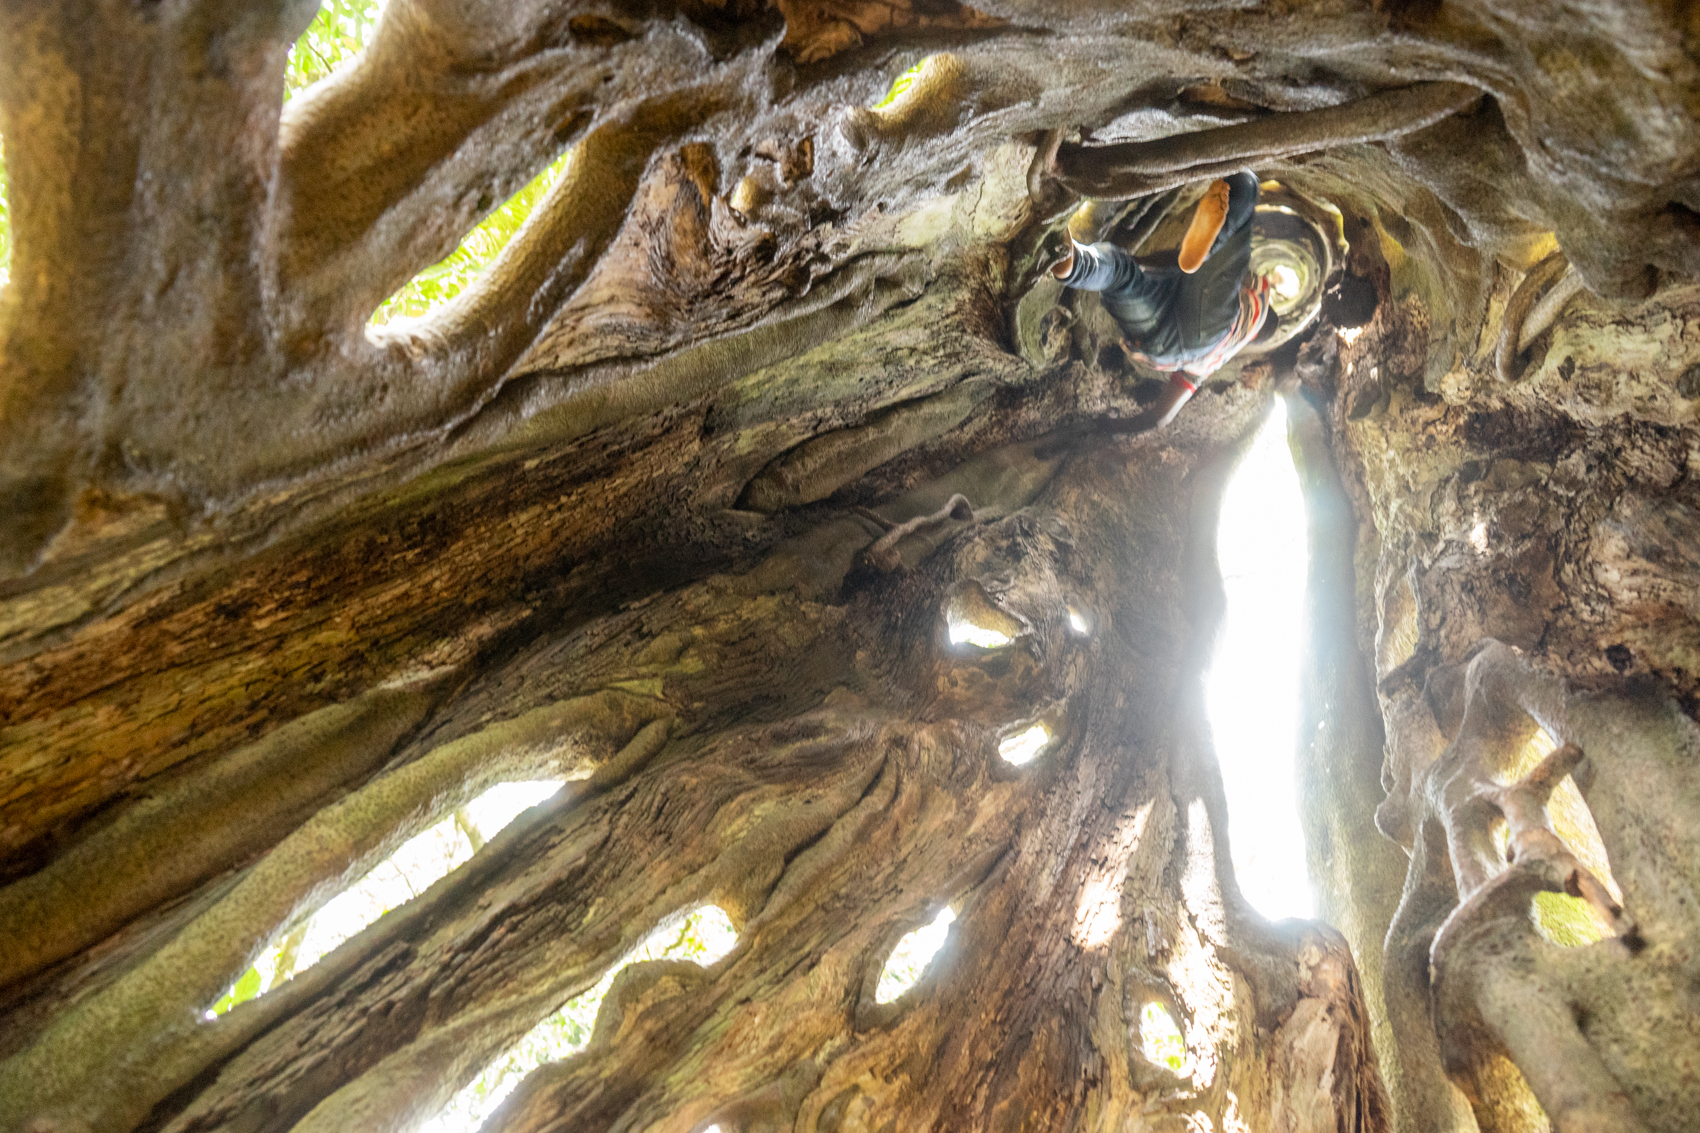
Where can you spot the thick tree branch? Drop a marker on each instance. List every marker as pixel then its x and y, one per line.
pixel 1500 989
pixel 387 164
pixel 1517 308
pixel 478 335
pixel 883 553
pixel 1529 313
pixel 417 1073
pixel 1134 169
pixel 173 839
pixel 140 147
pixel 547 919
pixel 1545 312
pixel 1496 988
pixel 169 990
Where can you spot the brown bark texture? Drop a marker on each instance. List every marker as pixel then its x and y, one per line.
pixel 679 499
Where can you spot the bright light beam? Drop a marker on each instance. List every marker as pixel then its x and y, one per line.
pixel 911 956
pixel 1253 683
pixel 1023 746
pixel 962 630
pixel 704 936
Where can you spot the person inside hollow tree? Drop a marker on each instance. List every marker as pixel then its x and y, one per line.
pixel 1188 317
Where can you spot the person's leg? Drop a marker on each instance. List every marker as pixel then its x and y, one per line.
pixel 1243 192
pixel 1208 300
pixel 1227 204
pixel 1099 267
pixel 1137 299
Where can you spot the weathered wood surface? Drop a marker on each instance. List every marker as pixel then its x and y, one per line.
pixel 259 564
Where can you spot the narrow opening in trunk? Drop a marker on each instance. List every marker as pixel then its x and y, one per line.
pixel 414 867
pixel 910 958
pixel 1253 684
pixel 702 936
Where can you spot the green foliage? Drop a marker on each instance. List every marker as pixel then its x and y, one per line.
pixel 444 280
pixel 1161 1039
pixel 702 937
pixel 900 84
pixel 245 989
pixel 336 35
pixel 1566 920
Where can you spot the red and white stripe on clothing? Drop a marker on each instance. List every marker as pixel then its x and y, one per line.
pixel 1254 308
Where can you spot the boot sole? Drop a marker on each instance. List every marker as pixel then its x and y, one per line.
pixel 1207 222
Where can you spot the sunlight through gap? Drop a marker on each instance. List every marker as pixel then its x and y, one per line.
pixel 338 33
pixel 448 277
pixel 911 957
pixel 419 863
pixel 1024 745
pixel 962 631
pixel 1285 282
pixel 1161 1041
pixel 703 936
pixel 1253 684
pixel 972 618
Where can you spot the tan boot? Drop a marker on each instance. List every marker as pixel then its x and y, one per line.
pixel 1206 223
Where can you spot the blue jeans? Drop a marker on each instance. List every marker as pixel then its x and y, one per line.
pixel 1170 316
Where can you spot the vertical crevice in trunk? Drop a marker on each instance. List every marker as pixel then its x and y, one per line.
pixel 1358 874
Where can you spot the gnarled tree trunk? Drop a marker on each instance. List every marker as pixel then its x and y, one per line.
pixel 678 503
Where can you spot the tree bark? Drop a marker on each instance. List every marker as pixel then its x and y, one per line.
pixel 834 766
pixel 679 500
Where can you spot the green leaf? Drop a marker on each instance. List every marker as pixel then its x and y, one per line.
pixel 900 84
pixel 337 34
pixel 448 277
pixel 247 987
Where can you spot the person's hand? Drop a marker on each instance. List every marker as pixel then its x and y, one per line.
pixel 1062 267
